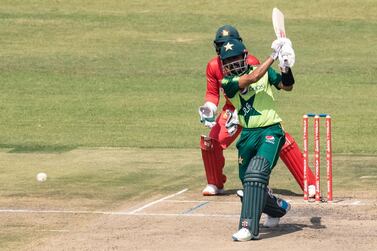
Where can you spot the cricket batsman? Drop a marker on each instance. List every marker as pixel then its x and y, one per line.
pixel 249 89
pixel 224 128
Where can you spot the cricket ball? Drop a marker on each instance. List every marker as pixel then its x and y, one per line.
pixel 41 177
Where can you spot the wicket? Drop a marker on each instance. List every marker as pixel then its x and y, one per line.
pixel 317 155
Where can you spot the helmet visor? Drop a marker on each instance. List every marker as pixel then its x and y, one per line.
pixel 235 66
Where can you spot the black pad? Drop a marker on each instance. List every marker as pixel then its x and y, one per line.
pixel 273 208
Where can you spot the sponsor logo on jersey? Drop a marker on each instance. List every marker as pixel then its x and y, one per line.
pixel 270 139
pixel 256 88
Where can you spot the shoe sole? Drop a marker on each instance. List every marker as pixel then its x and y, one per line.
pixel 220 192
pixel 209 194
pixel 252 238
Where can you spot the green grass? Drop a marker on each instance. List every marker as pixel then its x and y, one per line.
pixel 80 73
pixel 114 73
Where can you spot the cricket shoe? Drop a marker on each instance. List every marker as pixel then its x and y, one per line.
pixel 240 194
pixel 211 190
pixel 274 222
pixel 244 235
pixel 311 191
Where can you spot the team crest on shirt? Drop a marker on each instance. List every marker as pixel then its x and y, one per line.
pixel 270 139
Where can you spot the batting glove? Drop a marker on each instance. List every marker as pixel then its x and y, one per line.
pixel 286 55
pixel 207 113
pixel 276 47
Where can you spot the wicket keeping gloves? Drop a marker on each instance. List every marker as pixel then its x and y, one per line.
pixel 207 113
pixel 232 122
pixel 286 55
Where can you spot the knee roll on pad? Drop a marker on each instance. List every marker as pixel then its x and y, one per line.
pixel 258 170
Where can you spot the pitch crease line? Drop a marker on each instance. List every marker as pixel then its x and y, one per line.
pixel 196 207
pixel 157 201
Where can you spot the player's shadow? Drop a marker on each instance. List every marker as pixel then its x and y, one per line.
pixel 288 228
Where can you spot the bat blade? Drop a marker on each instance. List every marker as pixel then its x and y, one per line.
pixel 278 23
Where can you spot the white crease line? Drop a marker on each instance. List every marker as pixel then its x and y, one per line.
pixel 157 201
pixel 298 203
pixel 51 211
pixel 111 213
pixel 189 215
pixel 203 201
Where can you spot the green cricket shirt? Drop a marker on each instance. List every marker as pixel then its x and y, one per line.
pixel 255 104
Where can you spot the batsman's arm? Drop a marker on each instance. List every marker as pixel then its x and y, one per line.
pixel 255 75
pixel 259 72
pixel 281 80
pixel 287 80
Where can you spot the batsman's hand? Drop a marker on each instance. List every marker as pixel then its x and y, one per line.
pixel 232 122
pixel 207 113
pixel 286 55
pixel 276 47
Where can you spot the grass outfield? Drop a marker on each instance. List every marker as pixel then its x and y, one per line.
pixel 78 75
pixel 120 73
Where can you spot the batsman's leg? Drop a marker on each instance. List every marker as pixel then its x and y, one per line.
pixel 292 157
pixel 255 195
pixel 275 209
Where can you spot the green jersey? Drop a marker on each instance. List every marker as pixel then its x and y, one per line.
pixel 255 104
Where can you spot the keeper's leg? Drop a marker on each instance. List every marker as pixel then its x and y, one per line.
pixel 292 157
pixel 213 158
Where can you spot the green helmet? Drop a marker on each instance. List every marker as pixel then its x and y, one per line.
pixel 233 55
pixel 224 33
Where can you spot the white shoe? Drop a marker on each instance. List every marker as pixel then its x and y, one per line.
pixel 311 191
pixel 244 235
pixel 211 190
pixel 271 222
pixel 240 193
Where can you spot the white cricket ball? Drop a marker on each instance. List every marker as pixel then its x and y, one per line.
pixel 41 177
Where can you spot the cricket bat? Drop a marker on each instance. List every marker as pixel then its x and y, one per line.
pixel 278 23
pixel 279 27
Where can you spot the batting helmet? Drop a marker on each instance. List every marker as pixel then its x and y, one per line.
pixel 233 55
pixel 224 33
